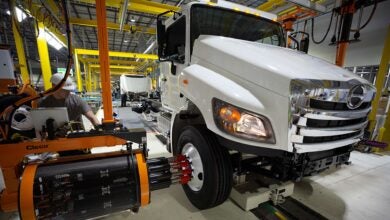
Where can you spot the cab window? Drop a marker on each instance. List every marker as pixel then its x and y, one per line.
pixel 175 39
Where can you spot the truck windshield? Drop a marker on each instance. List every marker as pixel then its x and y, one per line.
pixel 209 20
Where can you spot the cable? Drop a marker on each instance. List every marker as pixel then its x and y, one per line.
pixel 334 39
pixel 369 18
pixel 67 73
pixel 304 29
pixel 327 31
pixel 51 90
pixel 340 26
pixel 295 41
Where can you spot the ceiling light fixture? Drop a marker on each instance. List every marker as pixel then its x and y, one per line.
pixel 8 12
pixel 52 39
pixel 148 49
pixel 20 15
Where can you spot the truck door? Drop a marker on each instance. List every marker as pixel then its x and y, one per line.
pixel 173 54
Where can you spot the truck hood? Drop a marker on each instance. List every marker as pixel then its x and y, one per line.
pixel 268 66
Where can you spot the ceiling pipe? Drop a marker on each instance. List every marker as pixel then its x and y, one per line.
pixel 122 16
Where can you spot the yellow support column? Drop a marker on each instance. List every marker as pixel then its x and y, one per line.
pixel 85 85
pixel 43 51
pixel 94 82
pixel 383 68
pixel 385 130
pixel 77 70
pixel 20 52
pixel 89 77
pixel 379 82
pixel 154 82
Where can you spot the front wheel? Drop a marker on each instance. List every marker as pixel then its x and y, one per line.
pixel 211 181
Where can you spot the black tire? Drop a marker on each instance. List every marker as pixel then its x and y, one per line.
pixel 217 168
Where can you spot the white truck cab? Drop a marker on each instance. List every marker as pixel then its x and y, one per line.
pixel 229 86
pixel 135 86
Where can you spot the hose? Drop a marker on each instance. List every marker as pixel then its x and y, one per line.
pixel 369 18
pixel 304 29
pixel 334 39
pixel 55 88
pixel 327 31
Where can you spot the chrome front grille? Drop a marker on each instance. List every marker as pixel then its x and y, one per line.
pixel 319 122
pixel 334 105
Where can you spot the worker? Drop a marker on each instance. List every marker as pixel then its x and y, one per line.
pixel 123 98
pixel 63 98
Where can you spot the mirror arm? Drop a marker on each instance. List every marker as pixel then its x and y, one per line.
pixel 173 68
pixel 295 40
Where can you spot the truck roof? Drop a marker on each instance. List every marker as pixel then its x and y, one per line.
pixel 237 7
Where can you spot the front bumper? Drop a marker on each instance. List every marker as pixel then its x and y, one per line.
pixel 291 166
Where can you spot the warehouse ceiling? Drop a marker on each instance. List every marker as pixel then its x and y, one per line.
pixel 137 35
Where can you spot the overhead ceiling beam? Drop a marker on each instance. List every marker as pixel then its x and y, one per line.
pixel 111 25
pixel 282 8
pixel 288 10
pixel 117 54
pixel 118 72
pixel 271 4
pixel 139 5
pixel 309 4
pixel 112 61
pixel 125 73
pixel 114 67
pixel 35 12
pixel 122 14
pixel 54 10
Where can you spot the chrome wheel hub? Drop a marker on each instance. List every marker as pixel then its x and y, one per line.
pixel 193 156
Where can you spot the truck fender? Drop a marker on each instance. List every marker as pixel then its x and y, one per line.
pixel 200 85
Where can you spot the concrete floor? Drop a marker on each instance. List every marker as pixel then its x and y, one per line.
pixel 357 191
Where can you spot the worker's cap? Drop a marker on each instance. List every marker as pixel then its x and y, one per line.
pixel 56 79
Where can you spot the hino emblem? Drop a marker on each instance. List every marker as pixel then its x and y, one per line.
pixel 356 96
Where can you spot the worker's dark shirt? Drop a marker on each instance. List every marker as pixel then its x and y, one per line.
pixel 74 104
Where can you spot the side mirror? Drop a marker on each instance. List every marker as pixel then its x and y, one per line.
pixel 304 45
pixel 295 41
pixel 161 39
pixel 173 68
pixel 161 35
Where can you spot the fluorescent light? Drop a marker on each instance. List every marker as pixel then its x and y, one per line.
pixel 52 39
pixel 8 12
pixel 20 15
pixel 148 49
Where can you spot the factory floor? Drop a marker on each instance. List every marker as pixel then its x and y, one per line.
pixel 357 191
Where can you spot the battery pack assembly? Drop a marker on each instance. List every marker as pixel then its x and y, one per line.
pixel 92 187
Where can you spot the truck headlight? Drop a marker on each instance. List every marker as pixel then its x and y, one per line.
pixel 242 123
